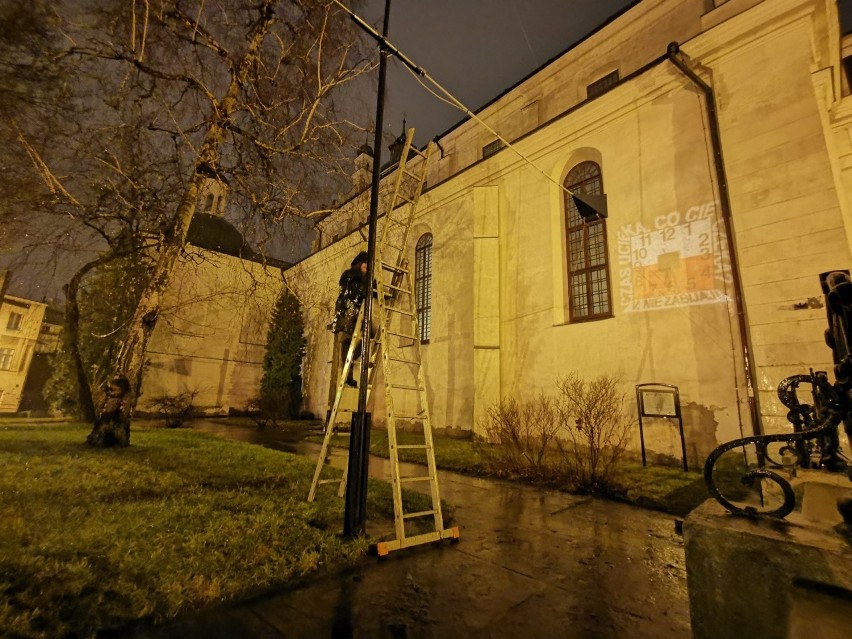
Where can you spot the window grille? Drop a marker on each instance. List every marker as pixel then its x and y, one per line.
pixel 423 285
pixel 599 87
pixel 587 261
pixel 490 149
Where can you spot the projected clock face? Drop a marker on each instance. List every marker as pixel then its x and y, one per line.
pixel 678 262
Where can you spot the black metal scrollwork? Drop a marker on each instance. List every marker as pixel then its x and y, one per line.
pixel 810 422
pixel 814 440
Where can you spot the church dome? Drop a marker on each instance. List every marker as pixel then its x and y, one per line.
pixel 217 234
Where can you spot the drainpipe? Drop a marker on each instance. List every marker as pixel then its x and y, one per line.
pixel 437 141
pixel 725 201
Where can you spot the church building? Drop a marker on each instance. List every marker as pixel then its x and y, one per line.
pixel 720 133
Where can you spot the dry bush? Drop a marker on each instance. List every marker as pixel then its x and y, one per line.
pixel 524 432
pixel 595 429
pixel 175 409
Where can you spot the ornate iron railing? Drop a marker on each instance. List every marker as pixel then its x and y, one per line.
pixel 814 441
pixel 813 426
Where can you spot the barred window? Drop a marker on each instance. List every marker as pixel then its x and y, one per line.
pixel 491 148
pixel 423 285
pixel 588 268
pixel 6 355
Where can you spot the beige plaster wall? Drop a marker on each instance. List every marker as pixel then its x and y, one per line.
pixel 446 358
pixel 211 335
pixel 649 138
pixel 501 324
pixel 786 204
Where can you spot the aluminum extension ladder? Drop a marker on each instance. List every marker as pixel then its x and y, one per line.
pixel 343 399
pixel 398 342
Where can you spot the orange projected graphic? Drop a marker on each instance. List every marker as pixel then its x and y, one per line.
pixel 670 277
pixel 678 262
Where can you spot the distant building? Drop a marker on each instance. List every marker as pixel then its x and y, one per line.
pixel 738 136
pixel 20 328
pixel 50 336
pixel 49 341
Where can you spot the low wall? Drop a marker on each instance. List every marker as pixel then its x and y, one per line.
pixel 768 579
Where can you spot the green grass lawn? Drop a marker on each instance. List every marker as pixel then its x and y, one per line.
pixel 93 539
pixel 664 488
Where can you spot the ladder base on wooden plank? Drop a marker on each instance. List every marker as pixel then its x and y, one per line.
pixel 384 548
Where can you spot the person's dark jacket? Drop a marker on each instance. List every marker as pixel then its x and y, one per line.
pixel 353 289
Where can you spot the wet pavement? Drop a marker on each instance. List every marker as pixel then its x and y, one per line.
pixel 530 563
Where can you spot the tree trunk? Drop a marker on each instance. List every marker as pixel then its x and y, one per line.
pixel 131 356
pixel 72 336
pixel 85 401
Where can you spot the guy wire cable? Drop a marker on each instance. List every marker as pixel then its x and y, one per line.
pixel 420 72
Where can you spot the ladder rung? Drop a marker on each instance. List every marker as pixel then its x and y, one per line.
pixel 405 361
pixel 404 198
pixel 403 387
pixel 409 480
pixel 396 309
pixel 394 246
pixel 398 288
pixel 331 481
pixel 405 416
pixel 396 269
pixel 395 334
pixel 418 152
pixel 411 174
pixel 410 446
pixel 422 513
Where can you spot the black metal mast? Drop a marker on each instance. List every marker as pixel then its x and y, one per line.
pixel 354 516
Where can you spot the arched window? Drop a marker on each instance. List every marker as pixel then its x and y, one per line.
pixel 588 270
pixel 423 285
pixel 208 205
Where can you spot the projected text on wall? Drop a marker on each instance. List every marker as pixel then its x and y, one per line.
pixel 677 262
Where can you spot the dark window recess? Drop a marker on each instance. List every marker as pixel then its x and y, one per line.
pixel 490 149
pixel 599 87
pixel 588 266
pixel 423 285
pixel 15 321
pixel 844 8
pixel 6 355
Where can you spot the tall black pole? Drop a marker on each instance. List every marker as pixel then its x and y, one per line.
pixel 354 516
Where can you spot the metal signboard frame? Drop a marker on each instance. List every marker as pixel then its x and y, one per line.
pixel 662 401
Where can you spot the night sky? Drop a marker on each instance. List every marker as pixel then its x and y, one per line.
pixel 478 48
pixel 475 48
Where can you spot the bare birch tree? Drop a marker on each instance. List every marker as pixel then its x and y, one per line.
pixel 171 93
